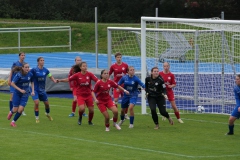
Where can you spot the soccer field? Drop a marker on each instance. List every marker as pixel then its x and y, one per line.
pixel 200 137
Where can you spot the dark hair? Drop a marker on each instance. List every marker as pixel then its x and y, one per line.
pixel 129 67
pixel 102 73
pixel 118 54
pixel 21 70
pixel 76 68
pixel 80 65
pixel 154 68
pixel 16 69
pixel 238 75
pixel 38 59
pixel 151 73
pixel 20 53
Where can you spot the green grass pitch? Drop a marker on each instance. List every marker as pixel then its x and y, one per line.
pixel 200 137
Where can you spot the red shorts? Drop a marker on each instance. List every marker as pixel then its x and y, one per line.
pixel 85 100
pixel 103 105
pixel 170 95
pixel 117 93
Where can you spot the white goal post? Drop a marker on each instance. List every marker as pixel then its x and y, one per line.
pixel 203 55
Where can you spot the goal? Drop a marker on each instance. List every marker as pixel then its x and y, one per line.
pixel 203 55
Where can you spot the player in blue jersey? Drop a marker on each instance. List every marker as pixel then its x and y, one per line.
pixel 236 112
pixel 20 83
pixel 40 74
pixel 16 66
pixel 131 83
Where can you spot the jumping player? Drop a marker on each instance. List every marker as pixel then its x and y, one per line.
pixel 104 100
pixel 170 82
pixel 21 93
pixel 118 69
pixel 40 73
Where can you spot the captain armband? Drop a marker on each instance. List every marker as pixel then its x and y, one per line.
pixel 49 75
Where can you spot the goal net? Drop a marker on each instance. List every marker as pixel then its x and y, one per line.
pixel 203 55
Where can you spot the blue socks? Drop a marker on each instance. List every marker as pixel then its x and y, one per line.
pixel 122 117
pixel 131 119
pixel 47 110
pixel 17 115
pixel 10 105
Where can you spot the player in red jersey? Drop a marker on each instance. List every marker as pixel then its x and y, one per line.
pixel 73 85
pixel 104 100
pixel 118 69
pixel 84 94
pixel 170 82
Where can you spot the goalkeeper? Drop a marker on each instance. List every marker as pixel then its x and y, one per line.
pixel 156 95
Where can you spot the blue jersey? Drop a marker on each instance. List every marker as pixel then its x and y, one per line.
pixel 131 84
pixel 236 91
pixel 39 76
pixel 15 64
pixel 22 81
pixel 235 112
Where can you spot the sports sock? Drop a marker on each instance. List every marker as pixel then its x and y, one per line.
pixel 74 105
pixel 36 112
pixel 107 125
pixel 90 116
pixel 17 115
pixel 122 117
pixel 10 105
pixel 177 115
pixel 47 110
pixel 115 120
pixel 131 119
pixel 231 128
pixel 126 111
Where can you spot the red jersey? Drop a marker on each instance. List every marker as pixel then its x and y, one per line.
pixel 168 78
pixel 102 89
pixel 83 83
pixel 72 84
pixel 118 70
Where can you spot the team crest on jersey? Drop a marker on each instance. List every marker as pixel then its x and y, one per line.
pixel 123 68
pixel 87 77
pixel 156 83
pixel 132 82
pixel 44 73
pixel 109 85
pixel 28 78
pixel 169 77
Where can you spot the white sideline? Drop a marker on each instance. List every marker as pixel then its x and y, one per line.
pixel 123 146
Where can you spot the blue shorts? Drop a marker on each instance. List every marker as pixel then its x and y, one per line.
pixel 42 96
pixel 126 100
pixel 235 113
pixel 20 99
pixel 12 89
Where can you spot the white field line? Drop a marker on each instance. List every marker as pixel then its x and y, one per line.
pixel 118 145
pixel 137 113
